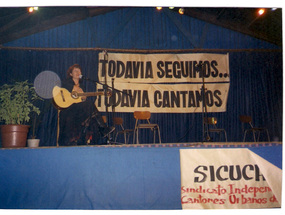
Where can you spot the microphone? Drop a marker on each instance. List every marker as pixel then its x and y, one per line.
pixel 83 77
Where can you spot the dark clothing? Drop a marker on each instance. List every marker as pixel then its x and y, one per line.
pixel 69 83
pixel 77 126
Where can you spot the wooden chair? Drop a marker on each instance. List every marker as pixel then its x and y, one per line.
pixel 141 117
pixel 118 122
pixel 211 127
pixel 248 120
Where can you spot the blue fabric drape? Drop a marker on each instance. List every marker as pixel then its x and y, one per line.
pixel 255 89
pixel 256 76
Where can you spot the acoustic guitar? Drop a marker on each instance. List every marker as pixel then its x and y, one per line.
pixel 63 98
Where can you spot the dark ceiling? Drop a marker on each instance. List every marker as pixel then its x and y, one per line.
pixel 16 22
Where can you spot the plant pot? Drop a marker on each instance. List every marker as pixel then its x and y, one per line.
pixel 14 136
pixel 32 143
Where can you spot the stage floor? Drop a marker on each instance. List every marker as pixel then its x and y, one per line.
pixel 195 144
pixel 176 145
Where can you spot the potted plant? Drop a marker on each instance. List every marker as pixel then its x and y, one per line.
pixel 16 105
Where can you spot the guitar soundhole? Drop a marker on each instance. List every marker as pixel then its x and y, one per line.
pixel 74 95
pixel 63 99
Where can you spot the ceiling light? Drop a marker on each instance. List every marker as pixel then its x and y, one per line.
pixel 181 11
pixel 261 12
pixel 32 9
pixel 159 8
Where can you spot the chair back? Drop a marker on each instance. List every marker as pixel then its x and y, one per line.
pixel 118 120
pixel 142 115
pixel 246 119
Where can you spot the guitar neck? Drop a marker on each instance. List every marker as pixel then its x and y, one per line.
pixel 91 94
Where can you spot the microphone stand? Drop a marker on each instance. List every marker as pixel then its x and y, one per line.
pixel 204 108
pixel 104 86
pixel 113 101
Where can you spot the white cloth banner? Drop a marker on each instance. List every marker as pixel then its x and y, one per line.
pixel 165 98
pixel 164 83
pixel 163 68
pixel 228 179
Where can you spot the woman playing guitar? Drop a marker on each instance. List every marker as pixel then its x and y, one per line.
pixel 81 121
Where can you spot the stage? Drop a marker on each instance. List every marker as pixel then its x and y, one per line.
pixel 144 176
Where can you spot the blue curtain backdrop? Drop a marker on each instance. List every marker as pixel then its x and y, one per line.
pixel 255 66
pixel 255 89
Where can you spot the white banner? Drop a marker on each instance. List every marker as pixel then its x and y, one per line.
pixel 228 179
pixel 164 83
pixel 163 68
pixel 165 98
